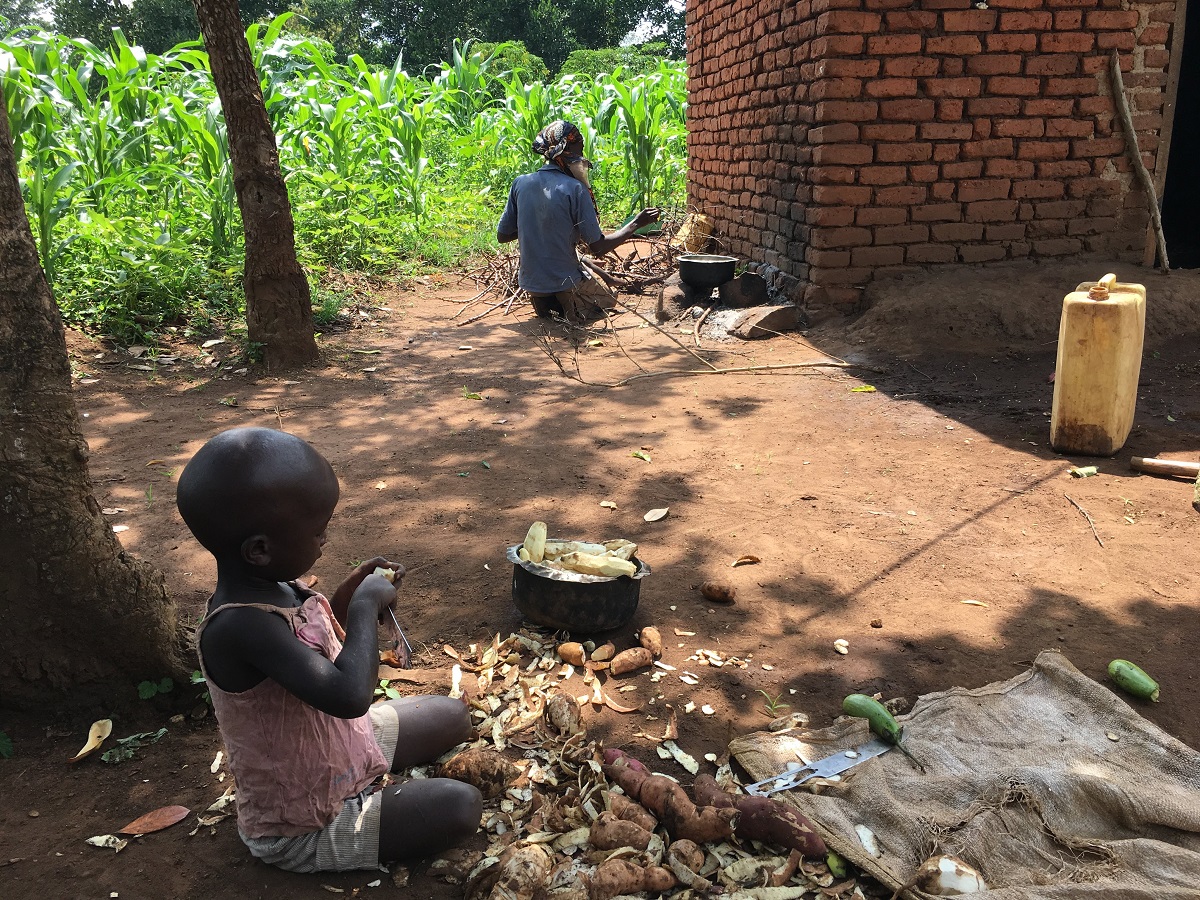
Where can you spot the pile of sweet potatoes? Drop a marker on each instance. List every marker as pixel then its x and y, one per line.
pixel 631 855
pixel 716 814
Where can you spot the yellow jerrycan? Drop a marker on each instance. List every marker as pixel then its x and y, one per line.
pixel 1099 361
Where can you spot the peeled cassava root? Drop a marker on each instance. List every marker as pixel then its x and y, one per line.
pixel 762 819
pixel 631 660
pixel 610 559
pixel 670 803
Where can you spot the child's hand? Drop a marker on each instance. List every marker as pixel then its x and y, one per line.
pixel 377 590
pixel 340 600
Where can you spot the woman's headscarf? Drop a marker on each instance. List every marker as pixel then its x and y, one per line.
pixel 561 143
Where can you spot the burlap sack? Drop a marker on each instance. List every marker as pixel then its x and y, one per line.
pixel 1049 784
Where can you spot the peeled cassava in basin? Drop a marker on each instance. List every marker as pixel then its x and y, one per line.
pixel 571 601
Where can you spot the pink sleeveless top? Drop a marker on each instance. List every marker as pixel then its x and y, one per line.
pixel 294 765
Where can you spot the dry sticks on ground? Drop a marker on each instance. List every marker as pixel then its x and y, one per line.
pixel 646 262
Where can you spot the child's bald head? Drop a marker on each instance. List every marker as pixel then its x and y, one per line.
pixel 250 481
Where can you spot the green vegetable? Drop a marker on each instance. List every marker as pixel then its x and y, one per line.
pixel 881 721
pixel 1133 679
pixel 837 865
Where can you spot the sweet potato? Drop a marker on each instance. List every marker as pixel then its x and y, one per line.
pixel 616 877
pixel 685 859
pixel 650 638
pixel 630 660
pixel 718 592
pixel 615 757
pixel 610 833
pixel 486 769
pixel 687 853
pixel 670 803
pixel 762 818
pixel 631 811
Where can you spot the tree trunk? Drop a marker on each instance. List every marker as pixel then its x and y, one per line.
pixel 278 302
pixel 75 609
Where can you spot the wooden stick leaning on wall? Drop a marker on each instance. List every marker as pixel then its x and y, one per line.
pixel 1117 83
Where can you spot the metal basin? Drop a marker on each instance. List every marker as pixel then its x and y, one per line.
pixel 706 270
pixel 568 601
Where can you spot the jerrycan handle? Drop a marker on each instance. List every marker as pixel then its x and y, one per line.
pixel 1100 290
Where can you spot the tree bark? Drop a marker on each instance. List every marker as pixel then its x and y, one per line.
pixel 278 302
pixel 76 611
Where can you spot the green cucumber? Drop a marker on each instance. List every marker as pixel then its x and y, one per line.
pixel 1133 679
pixel 881 722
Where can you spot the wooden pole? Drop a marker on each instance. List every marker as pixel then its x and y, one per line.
pixel 1135 157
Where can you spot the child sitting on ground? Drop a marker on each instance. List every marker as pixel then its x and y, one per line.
pixel 292 675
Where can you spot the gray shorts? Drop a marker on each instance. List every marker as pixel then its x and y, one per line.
pixel 351 841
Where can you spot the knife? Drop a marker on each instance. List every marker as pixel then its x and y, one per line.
pixel 798 773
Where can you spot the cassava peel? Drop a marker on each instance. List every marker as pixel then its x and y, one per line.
pixel 485 769
pixel 523 871
pixel 762 818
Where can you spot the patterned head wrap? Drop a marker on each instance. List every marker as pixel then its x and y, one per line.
pixel 559 139
pixel 561 143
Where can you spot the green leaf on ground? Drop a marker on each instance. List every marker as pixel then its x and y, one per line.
pixel 127 745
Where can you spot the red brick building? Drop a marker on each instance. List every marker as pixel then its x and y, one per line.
pixel 832 140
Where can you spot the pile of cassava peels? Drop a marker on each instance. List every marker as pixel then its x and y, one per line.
pixel 569 820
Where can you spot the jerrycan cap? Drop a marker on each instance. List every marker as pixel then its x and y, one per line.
pixel 1100 290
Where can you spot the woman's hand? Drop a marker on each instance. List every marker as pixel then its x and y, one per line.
pixel 647 216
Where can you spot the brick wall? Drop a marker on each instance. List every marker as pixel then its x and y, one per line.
pixel 836 139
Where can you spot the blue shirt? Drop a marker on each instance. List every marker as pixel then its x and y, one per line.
pixel 550 212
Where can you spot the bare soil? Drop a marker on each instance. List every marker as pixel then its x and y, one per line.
pixel 927 523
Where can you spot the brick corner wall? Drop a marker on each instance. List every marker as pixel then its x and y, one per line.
pixel 832 140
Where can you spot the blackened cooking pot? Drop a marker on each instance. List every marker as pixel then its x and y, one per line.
pixel 706 270
pixel 569 601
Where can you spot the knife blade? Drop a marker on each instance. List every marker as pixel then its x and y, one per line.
pixel 798 773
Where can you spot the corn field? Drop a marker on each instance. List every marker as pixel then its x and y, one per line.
pixel 124 163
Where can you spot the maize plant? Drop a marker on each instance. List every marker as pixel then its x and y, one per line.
pixel 124 160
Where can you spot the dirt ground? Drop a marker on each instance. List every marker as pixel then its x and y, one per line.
pixel 927 523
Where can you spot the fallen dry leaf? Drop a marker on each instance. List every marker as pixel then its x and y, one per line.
pixel 974 603
pixel 157 820
pixel 100 730
pixel 746 560
pixel 655 514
